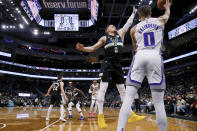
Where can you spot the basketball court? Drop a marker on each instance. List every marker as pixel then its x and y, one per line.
pixel 26 119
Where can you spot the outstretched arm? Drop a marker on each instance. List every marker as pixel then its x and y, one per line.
pixel 93 48
pixel 164 18
pixel 80 92
pixel 49 90
pixel 129 22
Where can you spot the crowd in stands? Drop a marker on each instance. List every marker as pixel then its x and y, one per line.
pixel 180 95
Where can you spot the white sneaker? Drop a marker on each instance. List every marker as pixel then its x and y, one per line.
pixel 62 119
pixel 47 118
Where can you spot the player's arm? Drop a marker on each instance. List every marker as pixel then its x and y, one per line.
pixel 49 90
pixel 62 91
pixel 129 22
pixel 80 91
pixel 132 33
pixel 91 89
pixel 93 48
pixel 164 18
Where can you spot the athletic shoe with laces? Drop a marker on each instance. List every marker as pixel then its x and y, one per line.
pixel 89 116
pixel 47 119
pixel 133 117
pixel 101 121
pixel 69 116
pixel 62 119
pixel 81 118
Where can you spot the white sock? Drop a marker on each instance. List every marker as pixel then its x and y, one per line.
pixel 157 96
pixel 121 89
pixel 101 96
pixel 95 107
pixel 81 113
pixel 92 106
pixel 61 111
pixel 125 110
pixel 49 110
pixel 70 108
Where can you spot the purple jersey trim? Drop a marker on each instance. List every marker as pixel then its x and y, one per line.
pixel 134 81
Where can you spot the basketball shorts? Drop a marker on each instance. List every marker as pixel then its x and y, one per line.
pixel 112 72
pixel 56 99
pixel 147 64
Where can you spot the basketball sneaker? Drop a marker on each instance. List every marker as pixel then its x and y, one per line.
pixel 101 121
pixel 81 118
pixel 133 117
pixel 62 119
pixel 69 116
pixel 47 119
pixel 89 116
pixel 93 115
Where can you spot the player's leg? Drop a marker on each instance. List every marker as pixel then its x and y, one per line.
pixel 101 96
pixel 62 110
pixel 91 106
pixel 158 102
pixel 125 110
pixel 156 79
pixel 133 82
pixel 48 112
pixel 118 77
pixel 70 104
pixel 52 101
pixel 95 108
pixel 80 111
pixel 64 104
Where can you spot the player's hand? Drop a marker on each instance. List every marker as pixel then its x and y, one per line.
pixel 79 46
pixel 47 94
pixel 134 10
pixel 168 4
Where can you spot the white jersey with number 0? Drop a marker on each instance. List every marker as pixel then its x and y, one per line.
pixel 149 34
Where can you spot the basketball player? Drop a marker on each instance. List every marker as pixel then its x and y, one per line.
pixel 147 39
pixel 57 89
pixel 74 99
pixel 111 66
pixel 94 88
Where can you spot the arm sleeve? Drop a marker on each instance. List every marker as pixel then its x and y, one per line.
pixel 129 22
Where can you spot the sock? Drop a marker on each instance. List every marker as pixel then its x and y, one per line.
pixel 157 96
pixel 121 89
pixel 101 96
pixel 49 110
pixel 70 108
pixel 61 111
pixel 92 105
pixel 95 107
pixel 81 113
pixel 79 109
pixel 126 107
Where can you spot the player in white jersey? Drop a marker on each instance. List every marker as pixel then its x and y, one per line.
pixel 94 88
pixel 147 38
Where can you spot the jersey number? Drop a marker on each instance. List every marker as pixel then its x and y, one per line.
pixel 149 39
pixel 56 85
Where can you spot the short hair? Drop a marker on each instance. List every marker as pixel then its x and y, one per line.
pixel 60 76
pixel 144 10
